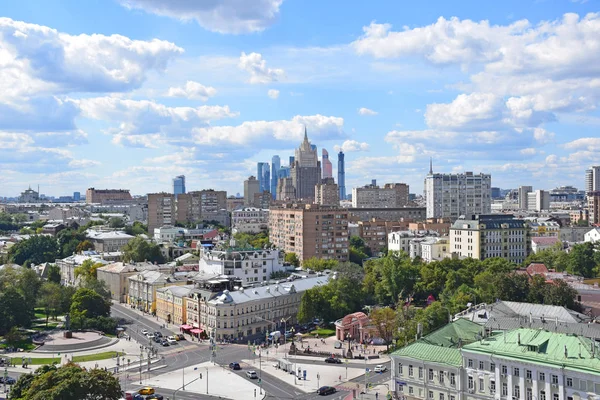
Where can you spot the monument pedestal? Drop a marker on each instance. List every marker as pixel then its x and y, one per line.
pixel 68 334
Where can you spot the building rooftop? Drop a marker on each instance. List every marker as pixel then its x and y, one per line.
pixel 491 221
pixel 120 267
pixel 563 350
pixel 177 291
pixel 443 346
pixel 545 241
pixel 95 235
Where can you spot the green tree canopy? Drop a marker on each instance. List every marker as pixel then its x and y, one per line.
pixel 137 228
pixel 138 249
pixel 53 274
pixel 385 321
pixel 37 249
pixel 319 264
pixel 11 310
pixel 116 222
pixel 88 303
pixel 292 258
pixel 67 382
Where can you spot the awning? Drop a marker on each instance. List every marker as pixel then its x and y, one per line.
pixel 196 331
pixel 186 327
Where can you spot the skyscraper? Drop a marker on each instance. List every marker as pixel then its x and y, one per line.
pixel 275 166
pixel 266 178
pixel 179 185
pixel 327 166
pixel 251 187
pixel 291 161
pixel 523 199
pixel 592 179
pixel 306 170
pixel 259 175
pixel 341 175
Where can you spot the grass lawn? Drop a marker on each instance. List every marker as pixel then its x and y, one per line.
pixel 49 360
pixel 42 326
pixel 323 332
pixel 592 281
pixel 22 344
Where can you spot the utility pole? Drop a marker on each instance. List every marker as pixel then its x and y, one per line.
pixel 141 360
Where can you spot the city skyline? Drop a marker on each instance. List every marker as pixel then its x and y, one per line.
pixel 210 97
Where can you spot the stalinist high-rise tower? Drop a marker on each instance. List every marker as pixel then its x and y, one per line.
pixel 306 170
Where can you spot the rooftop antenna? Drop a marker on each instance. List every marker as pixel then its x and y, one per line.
pixel 430 165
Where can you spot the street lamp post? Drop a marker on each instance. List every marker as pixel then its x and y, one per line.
pixel 141 360
pixel 260 370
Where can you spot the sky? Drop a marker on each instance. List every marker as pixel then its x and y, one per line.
pixel 130 93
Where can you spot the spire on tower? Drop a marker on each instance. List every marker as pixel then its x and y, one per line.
pixel 305 134
pixel 430 165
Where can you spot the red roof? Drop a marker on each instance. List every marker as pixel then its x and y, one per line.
pixel 210 235
pixel 537 269
pixel 545 241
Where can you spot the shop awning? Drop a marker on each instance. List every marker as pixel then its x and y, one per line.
pixel 196 331
pixel 186 327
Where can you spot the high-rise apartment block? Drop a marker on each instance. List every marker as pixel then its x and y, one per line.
pixel 310 230
pixel 453 195
pixel 251 187
pixel 306 170
pixel 538 200
pixel 523 198
pixel 593 199
pixel 392 195
pixel 592 179
pixel 100 196
pixel 285 189
pixel 327 165
pixel 327 193
pixel 179 185
pixel 342 175
pixel 489 236
pixel 275 167
pixel 161 211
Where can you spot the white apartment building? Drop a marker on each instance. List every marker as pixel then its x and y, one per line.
pixel 171 233
pixel 592 236
pixel 400 241
pixel 488 236
pixel 453 195
pixel 392 195
pixel 250 220
pixel 538 200
pixel 435 249
pixel 249 265
pixel 107 242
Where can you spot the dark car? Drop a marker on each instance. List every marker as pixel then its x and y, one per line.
pixel 333 360
pixel 158 334
pixel 9 380
pixel 164 343
pixel 155 397
pixel 235 366
pixel 157 339
pixel 325 390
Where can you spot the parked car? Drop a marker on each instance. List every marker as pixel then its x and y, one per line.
pixel 164 343
pixel 380 368
pixel 333 360
pixel 325 390
pixel 171 340
pixel 158 334
pixel 9 380
pixel 179 336
pixel 144 332
pixel 150 336
pixel 252 374
pixel 146 390
pixel 157 339
pixel 155 397
pixel 235 366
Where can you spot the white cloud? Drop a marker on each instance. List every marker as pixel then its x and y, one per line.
pixel 273 93
pixel 144 117
pixel 259 133
pixel 223 16
pixel 39 114
pixel 366 111
pixel 352 146
pixel 530 151
pixel 587 143
pixel 475 110
pixel 193 91
pixel 59 62
pixel 83 163
pixel 61 139
pixel 254 64
pixel 542 136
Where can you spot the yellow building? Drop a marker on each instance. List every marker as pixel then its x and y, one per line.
pixel 171 303
pixel 143 286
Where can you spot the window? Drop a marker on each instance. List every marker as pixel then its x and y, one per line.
pixel 471 384
pixel 529 395
pixel 504 389
pixel 516 371
pixel 517 391
pixel 399 368
pixel 430 374
pixel 410 370
pixel 504 369
pixel 441 396
pixel 411 390
pixel 481 384
pixel 430 394
pixel 542 377
pixel 452 379
pixel 555 379
pixel 492 387
pixel 528 373
pixel 492 367
pixel 452 398
pixel 481 365
pixel 542 395
pixel 420 372
pixel 555 396
pixel 470 363
pixel 441 377
pixel 569 382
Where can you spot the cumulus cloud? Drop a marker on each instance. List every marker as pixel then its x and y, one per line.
pixel 254 64
pixel 83 163
pixel 223 16
pixel 350 146
pixel 475 110
pixel 193 91
pixel 319 127
pixel 273 93
pixel 586 143
pixel 61 62
pixel 39 114
pixel 145 117
pixel 366 111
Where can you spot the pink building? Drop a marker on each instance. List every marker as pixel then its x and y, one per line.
pixel 326 165
pixel 355 324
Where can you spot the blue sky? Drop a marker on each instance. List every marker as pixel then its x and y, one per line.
pixel 130 93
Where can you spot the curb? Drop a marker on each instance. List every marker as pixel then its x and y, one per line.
pixel 113 341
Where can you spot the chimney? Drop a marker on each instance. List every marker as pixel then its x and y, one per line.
pixel 519 339
pixel 566 352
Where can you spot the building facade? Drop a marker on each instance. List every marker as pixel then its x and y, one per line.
pixel 179 185
pixel 538 200
pixel 250 220
pixel 327 193
pixel 171 303
pixel 523 199
pixel 162 211
pixel 327 165
pixel 593 203
pixel 251 187
pixel 310 230
pixel 488 236
pixel 453 195
pixel 592 179
pixel 285 189
pixel 392 195
pixel 143 285
pixel 115 277
pixel 100 196
pixel 306 170
pixel 275 167
pixel 342 175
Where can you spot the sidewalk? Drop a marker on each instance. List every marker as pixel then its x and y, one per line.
pixel 170 327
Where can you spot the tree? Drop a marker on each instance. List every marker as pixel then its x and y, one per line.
pixel 87 270
pixel 84 246
pixel 511 287
pixel 67 382
pixel 137 228
pixel 37 249
pixel 53 274
pixel 292 258
pixel 583 222
pixel 319 264
pixel 138 249
pixel 50 299
pixel 582 260
pixel 116 222
pixel 68 240
pixel 89 304
pixel 559 293
pixel 385 321
pixel 390 276
pixel 11 310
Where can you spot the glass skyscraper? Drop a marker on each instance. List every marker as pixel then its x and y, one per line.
pixel 179 185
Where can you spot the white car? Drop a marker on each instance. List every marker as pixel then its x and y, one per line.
pixel 171 340
pixel 380 368
pixel 144 332
pixel 251 374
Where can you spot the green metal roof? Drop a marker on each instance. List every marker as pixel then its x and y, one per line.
pixel 442 346
pixel 542 347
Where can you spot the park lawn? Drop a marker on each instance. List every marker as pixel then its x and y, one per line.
pixel 24 344
pixel 592 281
pixel 323 332
pixel 49 360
